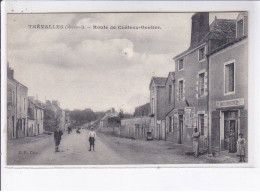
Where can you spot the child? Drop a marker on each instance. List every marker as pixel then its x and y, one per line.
pixel 241 147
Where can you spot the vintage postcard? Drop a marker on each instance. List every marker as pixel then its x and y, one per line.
pixel 135 88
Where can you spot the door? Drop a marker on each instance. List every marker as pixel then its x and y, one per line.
pixel 170 124
pixel 230 123
pixel 180 128
pixel 13 129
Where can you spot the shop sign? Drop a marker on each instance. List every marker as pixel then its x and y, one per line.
pixel 230 103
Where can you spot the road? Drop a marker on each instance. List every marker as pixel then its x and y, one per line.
pixel 109 150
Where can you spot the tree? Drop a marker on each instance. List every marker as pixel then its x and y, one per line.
pixel 114 122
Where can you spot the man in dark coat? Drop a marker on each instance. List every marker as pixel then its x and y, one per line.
pixel 57 139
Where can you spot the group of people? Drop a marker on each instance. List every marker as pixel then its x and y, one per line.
pixel 91 138
pixel 234 145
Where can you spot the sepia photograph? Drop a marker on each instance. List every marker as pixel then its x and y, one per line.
pixel 127 88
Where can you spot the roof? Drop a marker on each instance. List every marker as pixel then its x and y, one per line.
pixel 172 75
pixel 17 82
pixel 159 81
pixel 219 29
pixel 226 45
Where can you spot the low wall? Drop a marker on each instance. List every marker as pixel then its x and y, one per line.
pixel 135 127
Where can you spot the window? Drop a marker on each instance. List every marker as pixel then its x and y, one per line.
pixel 170 93
pixel 152 106
pixel 201 54
pixel 240 26
pixel 181 89
pixel 13 98
pixel 10 97
pixel 230 78
pixel 201 84
pixel 180 64
pixel 201 124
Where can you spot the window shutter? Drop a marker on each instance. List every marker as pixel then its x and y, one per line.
pixel 244 123
pixel 215 129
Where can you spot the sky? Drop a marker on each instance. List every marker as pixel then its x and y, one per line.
pixel 96 68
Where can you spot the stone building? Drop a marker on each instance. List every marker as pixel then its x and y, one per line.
pixel 158 106
pixel 228 83
pixel 17 105
pixel 191 76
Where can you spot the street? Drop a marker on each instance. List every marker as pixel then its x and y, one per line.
pixel 109 150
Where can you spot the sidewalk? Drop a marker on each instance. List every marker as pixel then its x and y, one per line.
pixel 169 148
pixel 26 140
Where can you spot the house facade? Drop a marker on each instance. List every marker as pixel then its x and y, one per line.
pixel 228 81
pixel 158 106
pixel 17 106
pixel 191 77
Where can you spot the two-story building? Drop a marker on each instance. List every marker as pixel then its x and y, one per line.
pixel 228 83
pixel 191 76
pixel 158 106
pixel 17 104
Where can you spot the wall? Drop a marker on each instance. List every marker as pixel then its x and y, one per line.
pixel 135 127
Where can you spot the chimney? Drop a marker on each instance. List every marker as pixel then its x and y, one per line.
pixel 199 28
pixel 10 72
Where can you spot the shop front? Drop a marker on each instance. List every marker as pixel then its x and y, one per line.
pixel 228 121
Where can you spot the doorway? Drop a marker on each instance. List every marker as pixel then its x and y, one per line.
pixel 230 123
pixel 180 129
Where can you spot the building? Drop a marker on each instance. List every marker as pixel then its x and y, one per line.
pixel 157 106
pixel 228 83
pixel 104 122
pixel 35 117
pixel 17 107
pixel 170 105
pixel 191 76
pixel 143 110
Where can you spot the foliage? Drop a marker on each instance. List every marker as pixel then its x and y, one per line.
pixel 81 117
pixel 51 120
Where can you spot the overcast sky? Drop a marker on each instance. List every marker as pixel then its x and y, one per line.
pixel 98 69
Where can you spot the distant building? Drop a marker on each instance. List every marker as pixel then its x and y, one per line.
pixel 144 110
pixel 228 83
pixel 104 122
pixel 35 117
pixel 17 107
pixel 157 106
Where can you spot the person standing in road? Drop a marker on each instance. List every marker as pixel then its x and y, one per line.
pixel 91 138
pixel 196 136
pixel 241 147
pixel 57 139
